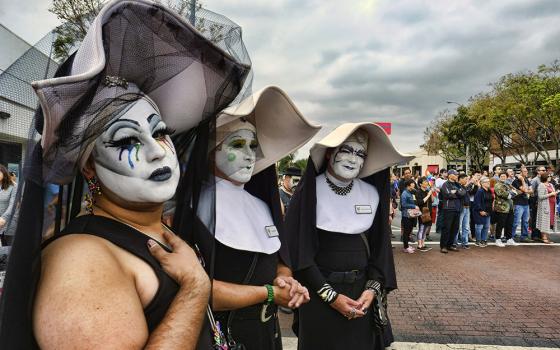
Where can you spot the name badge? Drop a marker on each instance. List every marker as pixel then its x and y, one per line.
pixel 271 231
pixel 363 209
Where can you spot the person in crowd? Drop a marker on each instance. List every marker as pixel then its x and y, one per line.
pixel 408 202
pixel 474 186
pixel 8 191
pixel 503 207
pixel 510 176
pixel 424 203
pixel 339 243
pixel 464 220
pixel 482 210
pixel 521 205
pixel 546 207
pixel 533 204
pixel 407 175
pixel 290 179
pixel 13 177
pixel 485 173
pixel 493 181
pixel 453 198
pixel 442 178
pixel 116 277
pixel 496 171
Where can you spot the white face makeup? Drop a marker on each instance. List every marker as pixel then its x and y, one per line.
pixel 135 158
pixel 236 156
pixel 348 159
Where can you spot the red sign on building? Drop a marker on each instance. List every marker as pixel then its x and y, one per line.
pixel 385 126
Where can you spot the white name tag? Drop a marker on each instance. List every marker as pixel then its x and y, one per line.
pixel 363 209
pixel 271 231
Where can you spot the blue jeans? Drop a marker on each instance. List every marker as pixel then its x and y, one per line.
pixel 521 212
pixel 482 230
pixel 464 227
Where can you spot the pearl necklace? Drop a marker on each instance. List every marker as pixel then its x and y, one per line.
pixel 341 191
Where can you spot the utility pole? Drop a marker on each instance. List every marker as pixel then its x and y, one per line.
pixel 192 15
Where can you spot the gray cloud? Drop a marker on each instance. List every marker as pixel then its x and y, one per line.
pixel 373 60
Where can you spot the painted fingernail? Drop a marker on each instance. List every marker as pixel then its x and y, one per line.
pixel 151 243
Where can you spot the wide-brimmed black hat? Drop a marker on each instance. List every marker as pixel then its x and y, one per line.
pixel 189 76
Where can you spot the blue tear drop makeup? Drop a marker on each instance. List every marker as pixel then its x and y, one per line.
pixel 130 148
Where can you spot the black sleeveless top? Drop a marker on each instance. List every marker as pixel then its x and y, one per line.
pixel 135 242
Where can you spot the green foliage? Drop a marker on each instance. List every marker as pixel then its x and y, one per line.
pixel 290 161
pixel 520 114
pixel 77 15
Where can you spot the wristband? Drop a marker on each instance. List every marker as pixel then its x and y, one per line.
pixel 374 286
pixel 327 293
pixel 269 294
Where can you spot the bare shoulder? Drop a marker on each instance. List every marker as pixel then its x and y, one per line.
pixel 85 299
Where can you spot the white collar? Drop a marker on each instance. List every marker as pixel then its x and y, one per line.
pixel 350 214
pixel 243 221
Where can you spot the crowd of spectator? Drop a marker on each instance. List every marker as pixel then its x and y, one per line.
pixel 477 208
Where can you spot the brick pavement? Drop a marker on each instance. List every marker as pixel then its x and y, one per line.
pixel 501 296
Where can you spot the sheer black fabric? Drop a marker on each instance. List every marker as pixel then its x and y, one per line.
pixel 150 47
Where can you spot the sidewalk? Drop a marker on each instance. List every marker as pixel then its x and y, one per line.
pixel 291 344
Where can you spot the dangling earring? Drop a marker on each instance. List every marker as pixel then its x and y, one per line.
pixel 94 189
pixel 93 186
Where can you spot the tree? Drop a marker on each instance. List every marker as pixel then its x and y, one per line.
pixel 77 15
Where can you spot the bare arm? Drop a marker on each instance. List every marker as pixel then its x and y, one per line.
pixel 230 296
pixel 287 292
pixel 85 300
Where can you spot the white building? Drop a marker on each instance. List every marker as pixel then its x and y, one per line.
pixel 20 64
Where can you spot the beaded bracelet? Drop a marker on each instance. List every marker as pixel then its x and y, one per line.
pixel 269 294
pixel 327 293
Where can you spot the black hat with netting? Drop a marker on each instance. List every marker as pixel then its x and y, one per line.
pixel 132 49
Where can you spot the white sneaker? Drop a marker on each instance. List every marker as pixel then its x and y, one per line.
pixel 499 243
pixel 512 242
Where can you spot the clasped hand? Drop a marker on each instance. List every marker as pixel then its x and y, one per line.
pixel 289 292
pixel 351 308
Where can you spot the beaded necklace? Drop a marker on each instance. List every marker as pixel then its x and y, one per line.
pixel 341 191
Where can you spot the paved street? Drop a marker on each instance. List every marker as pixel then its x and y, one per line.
pixel 494 296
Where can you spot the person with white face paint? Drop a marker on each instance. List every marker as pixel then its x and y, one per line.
pixel 252 274
pixel 340 246
pixel 114 276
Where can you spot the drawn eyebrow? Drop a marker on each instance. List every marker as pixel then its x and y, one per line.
pixel 115 126
pixel 153 119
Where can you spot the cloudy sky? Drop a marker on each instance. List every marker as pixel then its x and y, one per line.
pixel 372 60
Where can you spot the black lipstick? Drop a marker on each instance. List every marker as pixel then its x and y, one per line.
pixel 161 174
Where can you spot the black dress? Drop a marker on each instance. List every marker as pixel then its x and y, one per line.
pixel 232 265
pixel 320 326
pixel 134 242
pixel 317 253
pixel 250 326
